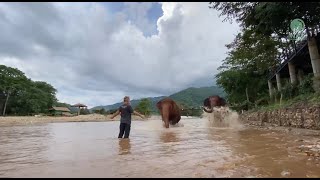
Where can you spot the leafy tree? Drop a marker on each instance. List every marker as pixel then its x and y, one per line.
pixel 100 111
pixel 187 110
pixel 49 90
pixel 60 104
pixel 241 85
pixel 111 111
pixel 252 51
pixel 144 107
pixel 262 45
pixel 269 17
pixel 38 97
pixel 242 74
pixel 12 82
pixel 84 111
pixel 22 95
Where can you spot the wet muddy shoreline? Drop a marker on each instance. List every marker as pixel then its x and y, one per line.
pixel 33 120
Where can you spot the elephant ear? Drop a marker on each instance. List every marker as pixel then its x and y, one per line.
pixel 174 104
pixel 206 102
pixel 159 104
pixel 222 102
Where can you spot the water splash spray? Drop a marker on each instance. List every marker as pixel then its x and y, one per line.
pixel 223 117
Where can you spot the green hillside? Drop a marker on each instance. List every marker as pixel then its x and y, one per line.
pixel 134 103
pixel 191 97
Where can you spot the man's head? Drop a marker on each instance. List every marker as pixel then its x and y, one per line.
pixel 126 100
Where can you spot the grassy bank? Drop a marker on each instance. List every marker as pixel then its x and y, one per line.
pixel 298 101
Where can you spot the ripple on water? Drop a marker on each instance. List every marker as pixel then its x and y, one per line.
pixel 190 149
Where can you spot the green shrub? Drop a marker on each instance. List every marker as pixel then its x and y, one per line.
pixel 289 91
pixel 306 85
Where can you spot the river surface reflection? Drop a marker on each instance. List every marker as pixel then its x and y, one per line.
pixel 193 149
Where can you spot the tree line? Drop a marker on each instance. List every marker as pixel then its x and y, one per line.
pixel 260 47
pixel 19 95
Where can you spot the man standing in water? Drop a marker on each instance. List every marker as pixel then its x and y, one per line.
pixel 125 122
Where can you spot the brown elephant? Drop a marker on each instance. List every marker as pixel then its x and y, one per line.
pixel 170 111
pixel 213 101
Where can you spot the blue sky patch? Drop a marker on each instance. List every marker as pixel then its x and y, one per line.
pixel 152 16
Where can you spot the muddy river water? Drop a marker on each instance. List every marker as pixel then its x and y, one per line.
pixel 193 149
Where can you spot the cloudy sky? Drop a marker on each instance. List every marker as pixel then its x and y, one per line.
pixel 96 53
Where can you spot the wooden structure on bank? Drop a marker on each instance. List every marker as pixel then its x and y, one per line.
pixel 60 111
pixel 79 106
pixel 298 61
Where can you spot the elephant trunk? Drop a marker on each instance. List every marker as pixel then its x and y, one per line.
pixel 165 115
pixel 207 111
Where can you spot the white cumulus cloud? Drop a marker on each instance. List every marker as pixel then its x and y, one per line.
pixel 95 57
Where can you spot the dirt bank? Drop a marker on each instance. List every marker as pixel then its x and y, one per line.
pixel 302 116
pixel 27 120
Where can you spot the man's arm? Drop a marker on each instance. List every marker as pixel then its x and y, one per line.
pixel 138 114
pixel 115 114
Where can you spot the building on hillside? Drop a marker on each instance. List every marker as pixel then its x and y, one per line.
pixel 60 111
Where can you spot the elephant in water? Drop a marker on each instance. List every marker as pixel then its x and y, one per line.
pixel 213 101
pixel 170 111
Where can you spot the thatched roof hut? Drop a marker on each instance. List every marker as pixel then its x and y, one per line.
pixel 63 111
pixel 79 106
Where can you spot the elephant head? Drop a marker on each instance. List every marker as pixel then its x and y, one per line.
pixel 213 101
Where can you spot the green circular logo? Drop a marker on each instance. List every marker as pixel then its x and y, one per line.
pixel 297 25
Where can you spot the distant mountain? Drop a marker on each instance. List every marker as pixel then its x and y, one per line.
pixel 191 97
pixel 134 103
pixel 72 109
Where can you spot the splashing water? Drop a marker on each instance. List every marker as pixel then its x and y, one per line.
pixel 153 123
pixel 223 117
pixel 156 124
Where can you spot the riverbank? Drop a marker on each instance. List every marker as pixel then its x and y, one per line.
pixel 304 116
pixel 299 112
pixel 27 120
